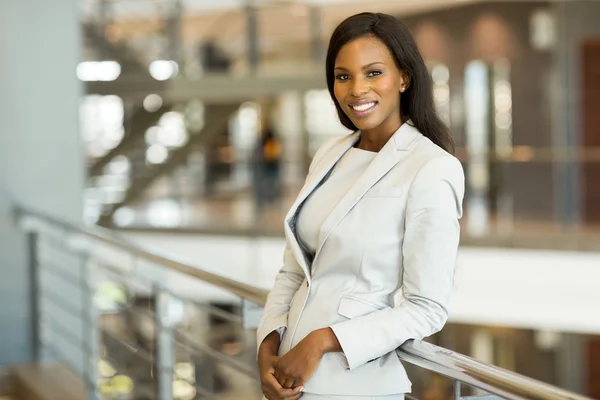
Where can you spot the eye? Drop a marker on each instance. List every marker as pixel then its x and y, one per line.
pixel 342 77
pixel 374 73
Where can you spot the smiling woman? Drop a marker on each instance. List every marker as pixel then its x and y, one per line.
pixel 367 87
pixel 373 235
pixel 374 58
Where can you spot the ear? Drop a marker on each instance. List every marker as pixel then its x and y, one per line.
pixel 404 81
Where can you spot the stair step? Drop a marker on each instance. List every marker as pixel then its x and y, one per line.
pixel 47 382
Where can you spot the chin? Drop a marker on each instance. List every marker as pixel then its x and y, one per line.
pixel 365 124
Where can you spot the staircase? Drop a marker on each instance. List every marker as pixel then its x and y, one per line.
pixel 136 126
pixel 131 63
pixel 134 66
pixel 144 174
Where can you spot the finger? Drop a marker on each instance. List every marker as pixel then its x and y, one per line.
pixel 289 394
pixel 282 390
pixel 271 389
pixel 298 383
pixel 273 396
pixel 273 383
pixel 288 383
pixel 268 395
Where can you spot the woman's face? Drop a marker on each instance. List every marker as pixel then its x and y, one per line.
pixel 368 84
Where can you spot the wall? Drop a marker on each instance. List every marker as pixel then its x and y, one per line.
pixel 579 23
pixel 591 127
pixel 488 32
pixel 41 162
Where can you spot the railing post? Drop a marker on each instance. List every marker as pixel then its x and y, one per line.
pixel 91 331
pixel 165 345
pixel 34 299
pixel 457 394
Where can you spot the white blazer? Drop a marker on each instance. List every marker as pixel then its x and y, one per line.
pixel 384 266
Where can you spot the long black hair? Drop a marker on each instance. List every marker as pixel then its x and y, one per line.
pixel 417 101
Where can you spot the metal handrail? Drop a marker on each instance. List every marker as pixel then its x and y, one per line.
pixel 437 359
pixel 103 235
pixel 487 377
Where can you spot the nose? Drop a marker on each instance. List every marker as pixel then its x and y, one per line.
pixel 359 87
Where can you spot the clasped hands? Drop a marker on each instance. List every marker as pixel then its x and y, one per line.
pixel 282 378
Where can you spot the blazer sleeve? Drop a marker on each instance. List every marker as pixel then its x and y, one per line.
pixel 431 237
pixel 287 281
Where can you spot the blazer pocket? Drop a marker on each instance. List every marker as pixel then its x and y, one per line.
pixel 353 307
pixel 385 191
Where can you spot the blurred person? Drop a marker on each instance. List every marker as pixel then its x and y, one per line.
pixel 267 169
pixel 213 58
pixel 219 160
pixel 371 240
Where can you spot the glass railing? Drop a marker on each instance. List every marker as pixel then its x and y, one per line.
pixel 138 324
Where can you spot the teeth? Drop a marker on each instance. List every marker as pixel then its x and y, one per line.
pixel 363 107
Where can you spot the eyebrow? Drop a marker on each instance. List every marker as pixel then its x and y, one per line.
pixel 364 67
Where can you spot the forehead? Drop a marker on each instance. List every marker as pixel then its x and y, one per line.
pixel 363 51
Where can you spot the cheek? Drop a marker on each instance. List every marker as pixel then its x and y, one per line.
pixel 388 89
pixel 338 92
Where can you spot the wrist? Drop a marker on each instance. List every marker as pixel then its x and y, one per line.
pixel 266 353
pixel 326 341
pixel 270 346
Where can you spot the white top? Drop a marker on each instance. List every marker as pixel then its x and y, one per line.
pixel 321 202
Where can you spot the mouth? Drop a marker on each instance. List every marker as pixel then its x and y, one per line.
pixel 362 109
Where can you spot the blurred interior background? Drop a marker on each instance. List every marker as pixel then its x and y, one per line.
pixel 187 127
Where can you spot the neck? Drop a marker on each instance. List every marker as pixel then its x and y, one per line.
pixel 375 139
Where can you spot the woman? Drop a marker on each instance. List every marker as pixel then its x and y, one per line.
pixel 373 234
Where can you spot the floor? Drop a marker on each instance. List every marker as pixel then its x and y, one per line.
pixel 238 216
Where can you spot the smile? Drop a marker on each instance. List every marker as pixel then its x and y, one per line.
pixel 362 110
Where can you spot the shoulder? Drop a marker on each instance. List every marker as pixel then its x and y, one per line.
pixel 431 161
pixel 436 171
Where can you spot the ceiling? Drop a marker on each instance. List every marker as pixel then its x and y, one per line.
pixel 284 25
pixel 140 9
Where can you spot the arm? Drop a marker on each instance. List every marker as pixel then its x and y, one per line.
pixel 287 282
pixel 429 253
pixel 273 324
pixel 275 314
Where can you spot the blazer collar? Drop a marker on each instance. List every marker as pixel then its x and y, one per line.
pixel 314 178
pixel 391 153
pixel 401 140
pixel 405 136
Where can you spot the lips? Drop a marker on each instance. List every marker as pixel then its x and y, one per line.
pixel 362 108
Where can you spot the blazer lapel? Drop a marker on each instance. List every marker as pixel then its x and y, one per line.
pixel 319 172
pixel 393 151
